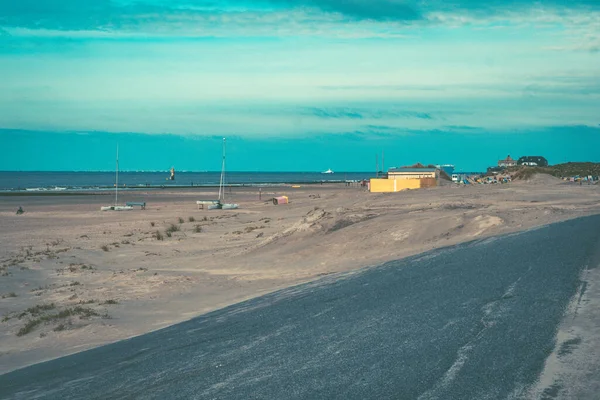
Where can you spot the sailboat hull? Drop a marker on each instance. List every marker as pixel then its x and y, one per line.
pixel 116 208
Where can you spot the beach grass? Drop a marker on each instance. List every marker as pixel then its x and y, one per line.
pixel 84 312
pixel 173 228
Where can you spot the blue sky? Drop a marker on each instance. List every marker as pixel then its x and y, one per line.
pixel 296 84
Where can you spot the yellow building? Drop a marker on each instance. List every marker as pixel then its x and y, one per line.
pixel 399 179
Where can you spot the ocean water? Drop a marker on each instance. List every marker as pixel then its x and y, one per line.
pixel 59 181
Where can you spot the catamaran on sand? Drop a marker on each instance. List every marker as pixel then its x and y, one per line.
pixel 220 203
pixel 116 206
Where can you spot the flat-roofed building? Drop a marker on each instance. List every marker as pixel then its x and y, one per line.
pixel 399 179
pixel 412 173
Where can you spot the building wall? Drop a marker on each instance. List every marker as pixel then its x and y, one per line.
pixel 394 185
pixel 411 175
pixel 428 182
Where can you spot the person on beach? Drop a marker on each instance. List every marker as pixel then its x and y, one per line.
pixel 20 210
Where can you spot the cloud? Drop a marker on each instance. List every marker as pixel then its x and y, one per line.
pixel 415 10
pixel 379 10
pixel 364 113
pixel 345 18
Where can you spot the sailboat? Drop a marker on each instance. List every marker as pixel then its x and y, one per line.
pixel 116 207
pixel 222 204
pixel 172 177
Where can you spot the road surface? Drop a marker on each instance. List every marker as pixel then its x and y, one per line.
pixel 474 321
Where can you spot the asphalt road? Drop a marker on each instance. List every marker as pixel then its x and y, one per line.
pixel 474 321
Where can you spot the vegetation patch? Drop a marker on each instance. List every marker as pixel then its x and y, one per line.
pixel 173 228
pixel 197 228
pixel 78 311
pixel 37 310
pixel 104 247
pixel 37 289
pixel 158 235
pixel 8 295
pixel 191 219
pixel 181 221
pixel 569 169
pixel 249 229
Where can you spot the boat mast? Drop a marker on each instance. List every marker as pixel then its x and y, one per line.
pixel 222 182
pixel 117 178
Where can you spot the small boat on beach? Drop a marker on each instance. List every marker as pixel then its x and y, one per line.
pixel 116 207
pixel 219 204
pixel 223 205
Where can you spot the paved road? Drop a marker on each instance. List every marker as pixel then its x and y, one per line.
pixel 473 321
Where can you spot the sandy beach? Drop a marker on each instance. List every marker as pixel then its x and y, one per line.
pixel 73 277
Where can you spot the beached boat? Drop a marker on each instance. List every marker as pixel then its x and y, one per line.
pixel 222 204
pixel 116 207
pixel 329 171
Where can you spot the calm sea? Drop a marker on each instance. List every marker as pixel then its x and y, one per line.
pixel 57 181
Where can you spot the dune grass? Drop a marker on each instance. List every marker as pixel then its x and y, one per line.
pixel 83 312
pixel 173 228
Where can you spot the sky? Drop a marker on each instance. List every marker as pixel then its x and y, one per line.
pixel 296 84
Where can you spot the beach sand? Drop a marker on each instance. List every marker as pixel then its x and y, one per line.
pixel 104 276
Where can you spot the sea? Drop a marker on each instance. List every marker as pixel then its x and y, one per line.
pixel 21 181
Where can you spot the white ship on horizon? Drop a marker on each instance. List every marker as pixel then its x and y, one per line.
pixel 329 171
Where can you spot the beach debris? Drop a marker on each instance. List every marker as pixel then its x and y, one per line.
pixel 280 200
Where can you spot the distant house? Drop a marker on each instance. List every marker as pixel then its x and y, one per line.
pixel 534 161
pixel 508 162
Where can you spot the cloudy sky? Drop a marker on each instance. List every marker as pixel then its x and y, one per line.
pixel 297 84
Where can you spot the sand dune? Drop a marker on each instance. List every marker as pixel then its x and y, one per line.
pixel 105 276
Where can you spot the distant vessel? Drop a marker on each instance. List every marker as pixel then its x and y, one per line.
pixel 116 207
pixel 329 171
